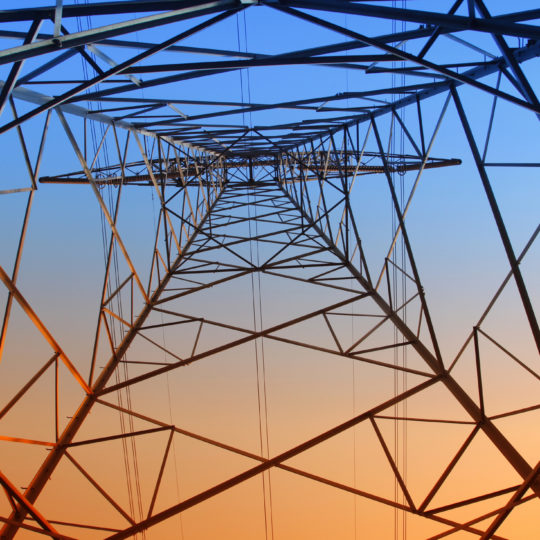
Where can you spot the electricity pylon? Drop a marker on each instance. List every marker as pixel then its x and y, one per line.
pixel 265 263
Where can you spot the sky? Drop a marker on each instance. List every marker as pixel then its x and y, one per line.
pixel 302 392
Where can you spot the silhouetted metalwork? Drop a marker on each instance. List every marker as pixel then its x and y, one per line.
pixel 289 190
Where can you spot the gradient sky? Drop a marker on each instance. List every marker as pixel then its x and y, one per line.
pixel 461 263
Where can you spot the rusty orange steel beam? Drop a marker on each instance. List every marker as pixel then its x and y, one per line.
pixel 25 441
pixel 23 501
pixel 59 450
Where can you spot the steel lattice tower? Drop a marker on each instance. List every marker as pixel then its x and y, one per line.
pixel 240 338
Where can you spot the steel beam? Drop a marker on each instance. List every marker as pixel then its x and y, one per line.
pixel 493 433
pixel 55 455
pixel 505 238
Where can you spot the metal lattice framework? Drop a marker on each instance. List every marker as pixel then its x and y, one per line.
pixel 263 280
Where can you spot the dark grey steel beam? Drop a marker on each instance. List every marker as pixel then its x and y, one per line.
pixel 11 81
pixel 452 75
pixel 521 55
pixel 127 44
pixel 499 25
pixel 502 23
pixel 257 62
pixel 99 8
pixel 523 84
pixel 92 36
pixel 520 283
pixel 47 66
pixel 438 31
pixel 92 82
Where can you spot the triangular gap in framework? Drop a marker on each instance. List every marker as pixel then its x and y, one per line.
pixel 82 504
pixel 69 398
pixel 106 422
pixel 480 471
pixel 41 356
pixel 310 378
pixel 338 221
pixel 326 204
pixel 173 486
pixel 15 206
pixel 419 526
pixel 122 298
pixel 147 354
pixel 170 334
pixel 516 337
pixel 464 370
pixel 197 466
pixel 14 499
pixel 212 303
pixel 511 175
pixel 423 333
pixel 122 248
pixel 19 461
pixel 33 402
pixel 316 266
pixel 515 428
pixel 288 301
pixel 215 396
pixel 529 262
pixel 240 252
pixel 104 346
pixel 425 434
pixel 372 329
pixel 466 520
pixel 374 385
pixel 337 276
pixel 375 190
pixel 362 464
pixel 294 251
pixel 507 385
pixel 361 325
pixel 198 273
pixel 214 337
pixel 502 130
pixel 478 514
pixel 193 466
pixel 245 498
pixel 328 510
pixel 405 364
pixel 32 132
pixel 313 332
pixel 137 459
pixel 295 244
pixel 272 214
pixel 233 252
